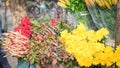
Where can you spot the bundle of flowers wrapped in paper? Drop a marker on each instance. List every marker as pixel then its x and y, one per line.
pixel 15 44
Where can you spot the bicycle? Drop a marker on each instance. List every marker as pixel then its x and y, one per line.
pixel 37 9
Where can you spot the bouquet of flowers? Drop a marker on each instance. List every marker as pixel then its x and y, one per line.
pixel 15 44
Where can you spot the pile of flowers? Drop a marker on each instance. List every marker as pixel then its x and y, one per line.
pixel 45 44
pixel 37 43
pixel 88 47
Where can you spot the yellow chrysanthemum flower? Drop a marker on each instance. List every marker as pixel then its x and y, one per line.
pixel 81 28
pixel 84 61
pixel 108 54
pixel 101 33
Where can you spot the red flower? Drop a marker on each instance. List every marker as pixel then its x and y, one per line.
pixel 26 20
pixel 54 21
pixel 24 28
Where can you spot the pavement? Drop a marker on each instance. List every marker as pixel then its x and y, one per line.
pixel 12 60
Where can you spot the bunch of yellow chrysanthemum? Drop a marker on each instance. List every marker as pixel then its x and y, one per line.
pixel 87 48
pixel 102 3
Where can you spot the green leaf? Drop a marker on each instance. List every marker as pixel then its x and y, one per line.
pixel 69 64
pixel 32 61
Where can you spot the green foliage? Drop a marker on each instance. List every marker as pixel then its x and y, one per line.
pixel 69 63
pixel 46 50
pixel 63 25
pixel 77 6
pixel 36 21
pixel 104 18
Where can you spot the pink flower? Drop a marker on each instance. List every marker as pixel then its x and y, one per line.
pixel 34 36
pixel 48 54
pixel 54 21
pixel 54 61
pixel 22 49
pixel 42 26
pixel 53 46
pixel 40 38
pixel 37 37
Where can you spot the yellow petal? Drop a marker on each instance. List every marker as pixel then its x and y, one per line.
pixel 61 4
pixel 7 3
pixel 62 1
pixel 67 1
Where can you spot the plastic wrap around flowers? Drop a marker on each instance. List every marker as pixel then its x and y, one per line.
pixel 15 44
